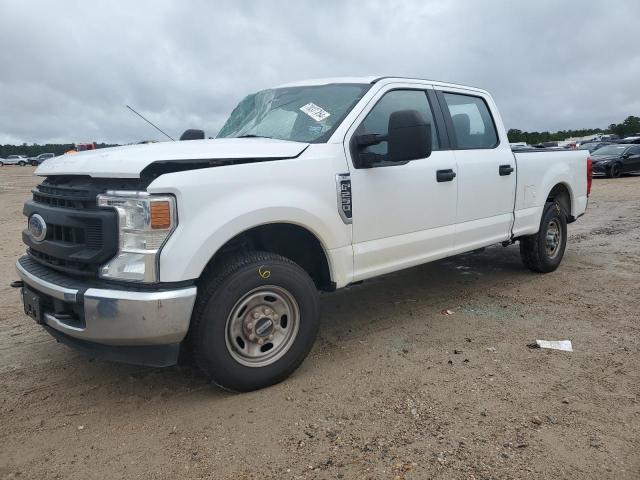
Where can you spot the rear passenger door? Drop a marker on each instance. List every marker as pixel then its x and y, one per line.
pixel 486 170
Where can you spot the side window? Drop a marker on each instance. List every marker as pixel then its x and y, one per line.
pixel 377 121
pixel 635 150
pixel 472 122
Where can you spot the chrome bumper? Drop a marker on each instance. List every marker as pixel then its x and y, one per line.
pixel 119 317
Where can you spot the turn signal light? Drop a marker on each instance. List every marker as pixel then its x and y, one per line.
pixel 160 215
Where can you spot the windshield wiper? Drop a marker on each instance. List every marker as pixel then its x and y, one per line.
pixel 253 136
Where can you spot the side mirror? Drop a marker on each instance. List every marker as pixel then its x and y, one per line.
pixel 409 136
pixel 192 134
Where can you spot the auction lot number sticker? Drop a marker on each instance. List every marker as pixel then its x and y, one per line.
pixel 314 111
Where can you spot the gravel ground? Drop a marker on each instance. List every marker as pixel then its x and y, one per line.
pixel 394 388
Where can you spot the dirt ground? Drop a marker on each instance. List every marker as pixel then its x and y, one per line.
pixel 393 388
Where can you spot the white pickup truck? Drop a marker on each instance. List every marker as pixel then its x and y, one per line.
pixel 219 247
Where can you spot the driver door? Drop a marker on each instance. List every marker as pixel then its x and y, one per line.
pixel 403 214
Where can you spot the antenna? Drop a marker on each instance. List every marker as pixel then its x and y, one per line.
pixel 153 125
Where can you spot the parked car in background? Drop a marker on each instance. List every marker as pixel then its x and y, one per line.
pixel 635 140
pixel 14 160
pixel 615 159
pixel 593 146
pixel 37 160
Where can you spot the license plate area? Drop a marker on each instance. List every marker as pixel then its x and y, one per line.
pixel 32 304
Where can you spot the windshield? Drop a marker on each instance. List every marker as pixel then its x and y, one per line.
pixel 301 114
pixel 610 150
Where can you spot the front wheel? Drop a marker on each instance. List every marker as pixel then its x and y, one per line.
pixel 543 251
pixel 254 322
pixel 22 164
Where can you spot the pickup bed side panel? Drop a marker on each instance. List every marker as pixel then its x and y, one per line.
pixel 538 174
pixel 216 204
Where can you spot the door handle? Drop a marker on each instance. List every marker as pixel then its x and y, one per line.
pixel 445 175
pixel 505 170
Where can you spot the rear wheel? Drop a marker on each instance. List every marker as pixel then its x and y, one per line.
pixel 615 171
pixel 543 251
pixel 21 163
pixel 34 163
pixel 254 322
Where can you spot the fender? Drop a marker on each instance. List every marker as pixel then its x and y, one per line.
pixel 217 204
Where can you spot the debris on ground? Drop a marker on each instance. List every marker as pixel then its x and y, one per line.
pixel 564 345
pixel 447 312
pixel 491 349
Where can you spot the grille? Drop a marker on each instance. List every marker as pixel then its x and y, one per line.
pixel 80 236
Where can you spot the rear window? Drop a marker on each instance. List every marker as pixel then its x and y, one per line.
pixel 472 122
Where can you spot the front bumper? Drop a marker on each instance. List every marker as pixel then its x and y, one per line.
pixel 601 167
pixel 109 316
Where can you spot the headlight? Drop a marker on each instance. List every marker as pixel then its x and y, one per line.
pixel 145 222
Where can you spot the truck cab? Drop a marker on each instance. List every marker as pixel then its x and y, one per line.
pixel 220 246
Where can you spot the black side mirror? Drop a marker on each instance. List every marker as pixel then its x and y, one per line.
pixel 192 134
pixel 409 136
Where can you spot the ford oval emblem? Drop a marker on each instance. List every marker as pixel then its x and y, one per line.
pixel 37 227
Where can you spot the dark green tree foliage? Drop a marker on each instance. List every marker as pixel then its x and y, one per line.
pixel 35 149
pixel 630 126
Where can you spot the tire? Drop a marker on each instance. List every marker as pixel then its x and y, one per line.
pixel 615 171
pixel 34 164
pixel 543 251
pixel 251 298
pixel 1 164
pixel 21 163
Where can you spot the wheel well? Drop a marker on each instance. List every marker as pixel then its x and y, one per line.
pixel 291 241
pixel 560 193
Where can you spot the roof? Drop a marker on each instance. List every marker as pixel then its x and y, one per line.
pixel 374 79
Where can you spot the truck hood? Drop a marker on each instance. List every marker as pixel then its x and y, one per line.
pixel 129 161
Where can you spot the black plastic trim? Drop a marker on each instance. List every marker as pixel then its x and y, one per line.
pixel 145 355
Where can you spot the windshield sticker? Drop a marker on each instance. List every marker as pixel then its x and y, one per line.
pixel 314 111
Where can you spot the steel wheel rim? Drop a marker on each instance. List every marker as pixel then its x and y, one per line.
pixel 262 326
pixel 553 238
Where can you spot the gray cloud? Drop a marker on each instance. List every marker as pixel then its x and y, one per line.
pixel 68 68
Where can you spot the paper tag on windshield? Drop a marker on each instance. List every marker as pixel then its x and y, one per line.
pixel 315 112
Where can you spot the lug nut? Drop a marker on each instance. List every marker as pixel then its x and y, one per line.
pixel 256 315
pixel 271 337
pixel 267 311
pixel 260 341
pixel 252 337
pixel 250 325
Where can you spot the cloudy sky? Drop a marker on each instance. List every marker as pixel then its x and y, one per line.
pixel 67 68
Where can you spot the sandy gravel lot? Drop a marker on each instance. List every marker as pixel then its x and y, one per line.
pixel 392 389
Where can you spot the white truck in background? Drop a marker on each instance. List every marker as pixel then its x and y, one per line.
pixel 219 247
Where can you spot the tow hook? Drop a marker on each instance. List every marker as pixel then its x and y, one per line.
pixel 17 284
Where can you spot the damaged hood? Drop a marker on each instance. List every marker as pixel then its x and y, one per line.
pixel 129 161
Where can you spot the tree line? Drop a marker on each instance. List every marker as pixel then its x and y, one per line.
pixel 630 126
pixel 35 149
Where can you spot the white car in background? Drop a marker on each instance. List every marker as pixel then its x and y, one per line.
pixel 14 160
